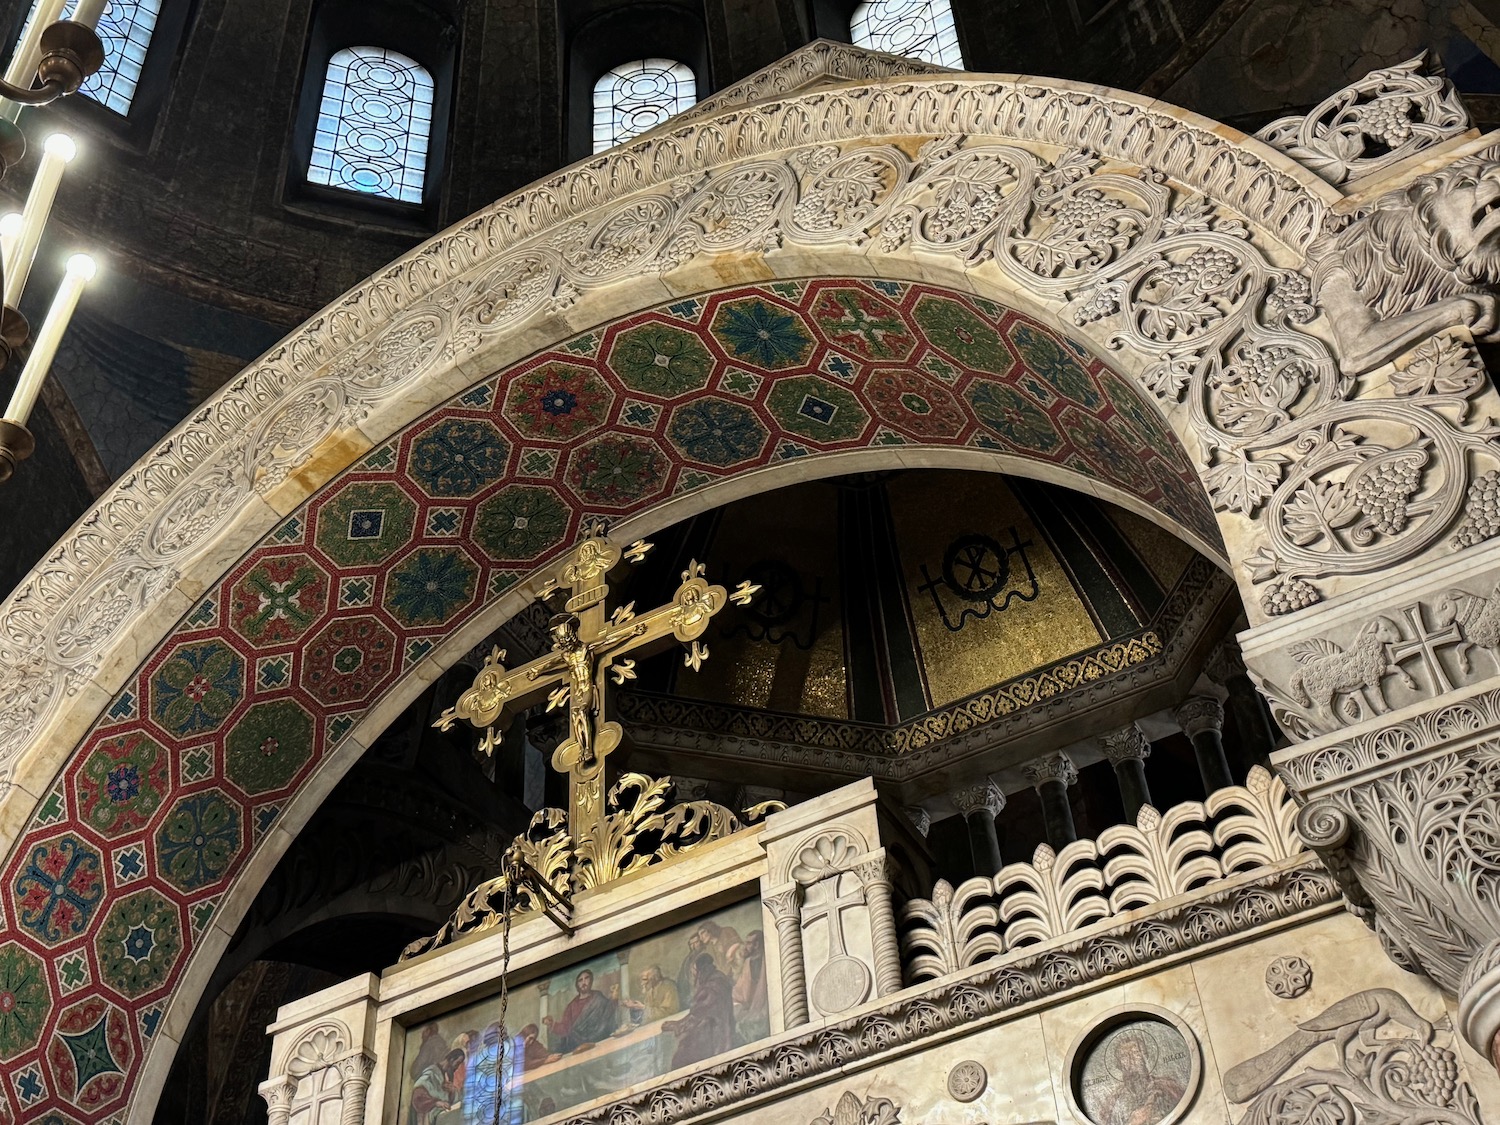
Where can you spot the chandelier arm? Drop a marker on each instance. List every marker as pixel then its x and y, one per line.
pixel 44 94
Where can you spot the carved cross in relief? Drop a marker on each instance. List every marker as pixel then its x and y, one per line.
pixel 587 646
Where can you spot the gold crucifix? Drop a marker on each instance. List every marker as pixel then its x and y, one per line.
pixel 587 645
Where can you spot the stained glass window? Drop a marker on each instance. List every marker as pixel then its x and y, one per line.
pixel 125 29
pixel 918 29
pixel 637 96
pixel 374 125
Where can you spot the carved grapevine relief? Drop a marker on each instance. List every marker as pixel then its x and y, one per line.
pixel 1148 263
pixel 1370 1058
pixel 1288 977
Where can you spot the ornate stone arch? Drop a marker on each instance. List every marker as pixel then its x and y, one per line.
pixel 1197 259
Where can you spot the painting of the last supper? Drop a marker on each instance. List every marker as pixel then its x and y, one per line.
pixel 670 1000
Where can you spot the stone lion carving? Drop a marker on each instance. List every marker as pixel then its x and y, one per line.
pixel 1421 259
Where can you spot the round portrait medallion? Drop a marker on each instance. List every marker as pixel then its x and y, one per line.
pixel 1135 1067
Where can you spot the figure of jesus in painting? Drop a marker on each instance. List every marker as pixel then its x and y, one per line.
pixel 589 1018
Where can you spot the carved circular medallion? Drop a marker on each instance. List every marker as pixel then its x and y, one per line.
pixel 967 1081
pixel 840 984
pixel 1288 977
pixel 1138 1064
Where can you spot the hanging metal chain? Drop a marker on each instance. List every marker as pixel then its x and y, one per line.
pixel 512 870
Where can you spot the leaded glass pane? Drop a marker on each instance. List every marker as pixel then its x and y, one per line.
pixel 125 29
pixel 918 29
pixel 637 96
pixel 374 125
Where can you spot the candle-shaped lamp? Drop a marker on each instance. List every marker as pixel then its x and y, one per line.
pixel 22 69
pixel 58 150
pixel 89 12
pixel 80 271
pixel 10 231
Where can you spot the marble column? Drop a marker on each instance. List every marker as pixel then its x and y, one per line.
pixel 875 878
pixel 1051 775
pixel 786 909
pixel 1246 708
pixel 355 1071
pixel 1201 718
pixel 981 804
pixel 1127 750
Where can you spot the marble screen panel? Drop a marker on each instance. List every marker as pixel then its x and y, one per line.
pixel 669 1000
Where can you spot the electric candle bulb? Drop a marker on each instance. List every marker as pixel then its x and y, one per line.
pixel 89 12
pixel 10 230
pixel 58 150
pixel 80 272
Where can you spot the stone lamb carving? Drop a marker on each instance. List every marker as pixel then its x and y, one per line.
pixel 1328 671
pixel 1478 618
pixel 1421 259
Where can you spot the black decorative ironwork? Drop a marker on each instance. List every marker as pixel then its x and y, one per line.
pixel 918 29
pixel 374 125
pixel 637 96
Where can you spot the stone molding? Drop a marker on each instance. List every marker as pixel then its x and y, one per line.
pixel 1479 1003
pixel 976 998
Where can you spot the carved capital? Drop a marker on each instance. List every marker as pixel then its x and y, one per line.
pixel 1051 767
pixel 356 1068
pixel 1200 713
pixel 784 907
pixel 983 796
pixel 1128 744
pixel 1479 1003
pixel 920 819
pixel 278 1093
pixel 1225 662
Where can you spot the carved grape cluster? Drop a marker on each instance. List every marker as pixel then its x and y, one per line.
pixel 1083 209
pixel 1382 493
pixel 1387 120
pixel 1289 596
pixel 1205 270
pixel 1481 512
pixel 1433 1076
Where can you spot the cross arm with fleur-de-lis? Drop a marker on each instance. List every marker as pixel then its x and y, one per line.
pixel 587 646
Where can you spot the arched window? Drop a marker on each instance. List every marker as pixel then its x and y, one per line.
pixel 374 125
pixel 125 29
pixel 918 29
pixel 640 95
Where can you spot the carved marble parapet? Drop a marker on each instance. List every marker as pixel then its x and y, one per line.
pixel 1128 744
pixel 329 1033
pixel 1051 767
pixel 982 797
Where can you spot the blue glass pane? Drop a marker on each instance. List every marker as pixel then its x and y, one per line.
pixel 374 125
pixel 125 29
pixel 918 29
pixel 637 96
